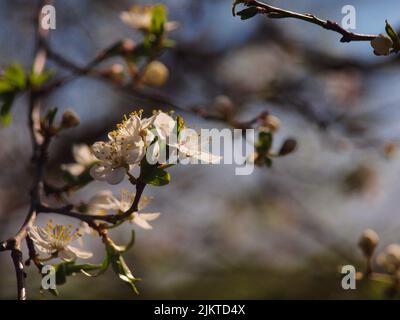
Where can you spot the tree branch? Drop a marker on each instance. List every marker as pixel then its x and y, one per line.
pixel 278 13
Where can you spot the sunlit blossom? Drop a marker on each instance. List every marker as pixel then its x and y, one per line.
pixel 55 241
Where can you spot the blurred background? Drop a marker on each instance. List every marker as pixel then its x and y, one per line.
pixel 280 233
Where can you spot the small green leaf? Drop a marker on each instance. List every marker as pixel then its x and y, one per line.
pixel 180 124
pixel 7 100
pixel 101 268
pixel 393 35
pixel 157 177
pixel 247 13
pixel 124 248
pixel 5 86
pixel 38 79
pixel 65 269
pixel 264 142
pixel 158 19
pixel 120 267
pixel 15 75
pixel 50 115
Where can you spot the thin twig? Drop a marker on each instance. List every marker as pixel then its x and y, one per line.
pixel 278 13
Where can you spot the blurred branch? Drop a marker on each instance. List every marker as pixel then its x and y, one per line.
pixel 278 13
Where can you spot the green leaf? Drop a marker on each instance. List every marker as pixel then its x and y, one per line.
pixel 5 86
pixel 50 116
pixel 65 269
pixel 124 248
pixel 247 13
pixel 14 74
pixel 393 35
pixel 38 79
pixel 102 268
pixel 120 267
pixel 157 177
pixel 180 124
pixel 158 19
pixel 7 100
pixel 264 142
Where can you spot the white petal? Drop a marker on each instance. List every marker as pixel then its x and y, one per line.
pixel 78 252
pixel 115 176
pixel 74 169
pixel 83 154
pixel 102 150
pixel 43 245
pixel 147 122
pixel 126 200
pixel 99 171
pixel 66 254
pixel 141 222
pixel 148 139
pixel 104 200
pixel 153 153
pixel 149 216
pixel 164 125
pixel 84 228
pixel 135 155
pixel 39 235
pixel 144 202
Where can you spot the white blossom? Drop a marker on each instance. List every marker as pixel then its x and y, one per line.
pixel 164 125
pixel 134 130
pixel 116 159
pixel 140 17
pixel 105 201
pixel 189 145
pixel 84 159
pixel 55 241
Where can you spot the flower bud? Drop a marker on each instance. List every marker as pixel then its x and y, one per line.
pixel 382 45
pixel 69 120
pixel 288 147
pixel 128 46
pixel 115 73
pixel 368 242
pixel 155 74
pixel 270 122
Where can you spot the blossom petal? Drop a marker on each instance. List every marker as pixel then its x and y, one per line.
pixel 83 154
pixel 79 252
pixel 66 254
pixel 164 125
pixel 74 169
pixel 126 200
pixel 115 176
pixel 104 200
pixel 99 172
pixel 102 150
pixel 149 216
pixel 141 222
